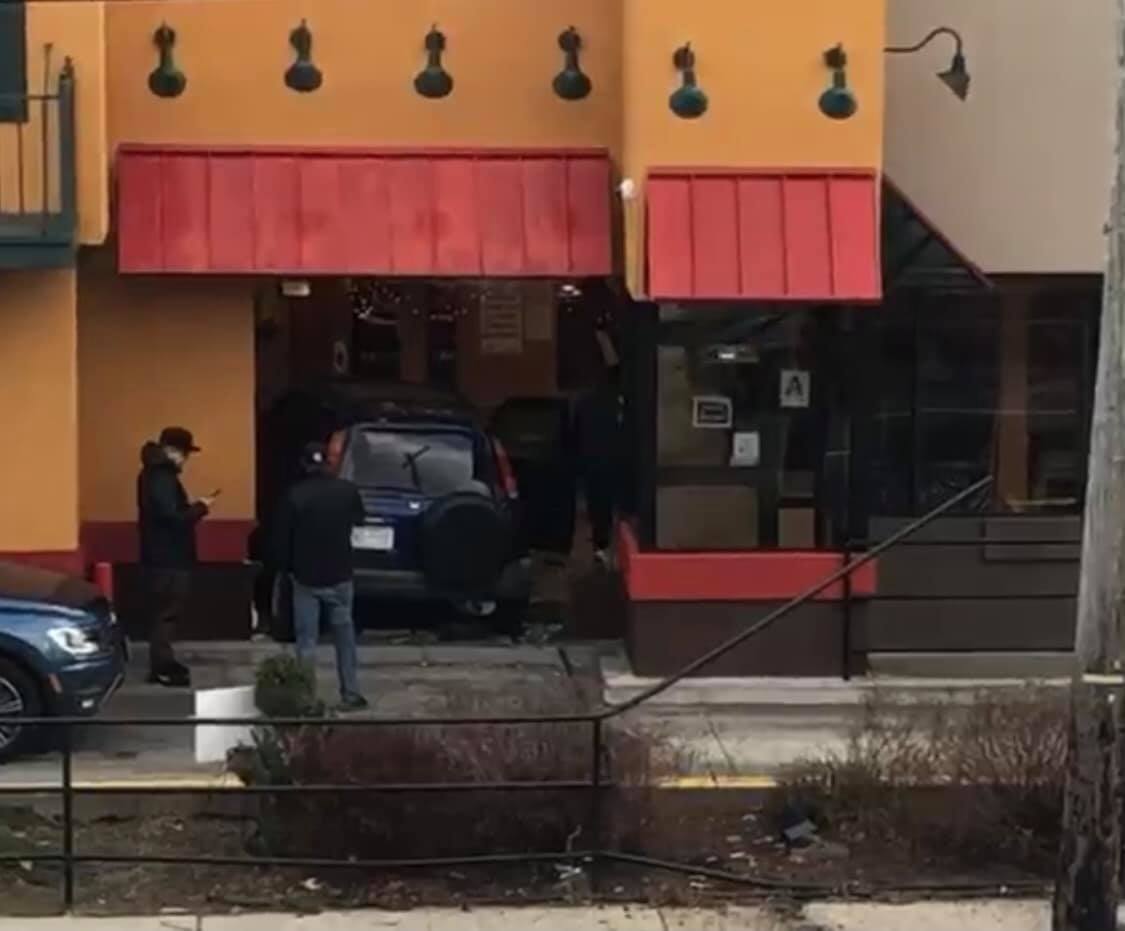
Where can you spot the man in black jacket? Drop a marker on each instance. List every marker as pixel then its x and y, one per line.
pixel 313 540
pixel 166 519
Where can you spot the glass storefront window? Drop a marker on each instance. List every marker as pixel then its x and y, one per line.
pixel 741 400
pixel 961 388
pixel 897 409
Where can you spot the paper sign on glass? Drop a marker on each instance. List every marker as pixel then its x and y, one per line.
pixel 712 412
pixel 796 388
pixel 746 449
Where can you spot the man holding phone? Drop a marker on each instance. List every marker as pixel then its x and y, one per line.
pixel 166 520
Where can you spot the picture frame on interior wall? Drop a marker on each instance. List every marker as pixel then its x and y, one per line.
pixel 712 412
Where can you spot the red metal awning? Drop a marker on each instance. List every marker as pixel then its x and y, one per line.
pixel 354 212
pixel 763 235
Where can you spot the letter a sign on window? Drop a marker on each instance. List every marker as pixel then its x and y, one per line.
pixel 796 388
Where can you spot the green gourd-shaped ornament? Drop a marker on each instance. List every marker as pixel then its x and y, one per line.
pixel 166 80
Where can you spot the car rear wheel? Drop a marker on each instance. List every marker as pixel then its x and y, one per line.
pixel 19 698
pixel 466 541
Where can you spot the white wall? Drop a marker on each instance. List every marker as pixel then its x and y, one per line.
pixel 1018 175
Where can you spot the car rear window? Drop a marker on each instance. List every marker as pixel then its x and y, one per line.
pixel 435 462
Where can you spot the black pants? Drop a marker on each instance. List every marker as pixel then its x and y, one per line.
pixel 167 593
pixel 599 483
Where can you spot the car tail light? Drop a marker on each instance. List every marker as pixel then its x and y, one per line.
pixel 335 451
pixel 504 467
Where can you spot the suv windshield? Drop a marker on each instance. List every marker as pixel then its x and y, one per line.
pixel 433 462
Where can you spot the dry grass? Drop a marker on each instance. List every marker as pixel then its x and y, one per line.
pixel 980 782
pixel 452 822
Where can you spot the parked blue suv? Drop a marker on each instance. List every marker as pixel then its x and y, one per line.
pixel 61 650
pixel 442 510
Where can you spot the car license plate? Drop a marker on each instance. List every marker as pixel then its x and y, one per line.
pixel 373 538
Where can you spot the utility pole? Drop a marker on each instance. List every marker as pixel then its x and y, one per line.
pixel 1087 885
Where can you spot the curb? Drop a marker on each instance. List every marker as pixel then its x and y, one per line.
pixel 227 781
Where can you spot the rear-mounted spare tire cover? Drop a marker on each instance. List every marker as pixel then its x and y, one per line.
pixel 465 543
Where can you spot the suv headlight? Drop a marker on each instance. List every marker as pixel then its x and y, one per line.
pixel 74 640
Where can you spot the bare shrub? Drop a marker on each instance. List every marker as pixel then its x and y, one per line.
pixel 981 780
pixel 413 824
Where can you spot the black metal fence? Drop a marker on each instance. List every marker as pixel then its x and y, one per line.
pixel 596 852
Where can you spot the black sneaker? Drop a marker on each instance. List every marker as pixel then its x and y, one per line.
pixel 173 676
pixel 352 703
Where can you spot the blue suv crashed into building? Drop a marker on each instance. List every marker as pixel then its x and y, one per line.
pixel 62 652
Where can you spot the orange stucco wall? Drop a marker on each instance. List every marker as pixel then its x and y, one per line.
pixel 760 63
pixel 761 66
pixel 39 412
pixel 75 29
pixel 501 53
pixel 152 353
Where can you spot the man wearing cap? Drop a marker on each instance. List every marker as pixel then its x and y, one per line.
pixel 313 541
pixel 166 519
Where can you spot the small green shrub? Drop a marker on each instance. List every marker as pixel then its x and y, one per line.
pixel 285 687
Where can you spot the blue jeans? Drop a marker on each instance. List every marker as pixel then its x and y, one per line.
pixel 307 605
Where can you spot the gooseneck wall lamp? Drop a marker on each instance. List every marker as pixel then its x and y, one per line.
pixel 688 100
pixel 302 76
pixel 956 76
pixel 166 80
pixel 571 83
pixel 838 102
pixel 434 81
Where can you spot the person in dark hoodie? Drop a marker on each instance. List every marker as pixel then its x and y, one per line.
pixel 166 519
pixel 598 424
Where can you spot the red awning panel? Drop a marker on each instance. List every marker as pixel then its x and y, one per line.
pixel 763 235
pixel 464 214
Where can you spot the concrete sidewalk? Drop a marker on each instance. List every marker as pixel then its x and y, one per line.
pixel 922 916
pixel 729 733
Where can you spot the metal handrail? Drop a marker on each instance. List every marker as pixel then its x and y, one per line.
pixel 51 205
pixel 845 571
pixel 595 851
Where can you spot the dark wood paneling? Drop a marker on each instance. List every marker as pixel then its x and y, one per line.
pixel 664 636
pixel 969 570
pixel 1032 553
pixel 1060 529
pixel 952 624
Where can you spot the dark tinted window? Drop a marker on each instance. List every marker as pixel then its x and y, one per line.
pixel 435 462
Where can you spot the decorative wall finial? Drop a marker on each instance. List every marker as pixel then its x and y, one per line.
pixel 688 101
pixel 166 80
pixel 838 102
pixel 303 75
pixel 571 83
pixel 434 81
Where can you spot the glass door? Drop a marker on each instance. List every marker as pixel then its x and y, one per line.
pixel 745 411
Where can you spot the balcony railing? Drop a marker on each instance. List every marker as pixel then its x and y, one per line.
pixel 38 210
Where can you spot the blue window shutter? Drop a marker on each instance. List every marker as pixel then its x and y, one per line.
pixel 13 61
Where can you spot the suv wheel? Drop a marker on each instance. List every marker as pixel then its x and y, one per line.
pixel 465 542
pixel 19 698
